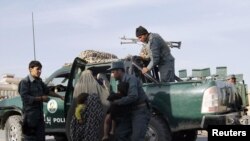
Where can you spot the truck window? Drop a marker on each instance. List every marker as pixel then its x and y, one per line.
pixel 78 73
pixel 113 84
pixel 60 80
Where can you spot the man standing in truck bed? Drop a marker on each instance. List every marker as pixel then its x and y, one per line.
pixel 159 54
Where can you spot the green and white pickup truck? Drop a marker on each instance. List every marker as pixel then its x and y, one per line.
pixel 179 109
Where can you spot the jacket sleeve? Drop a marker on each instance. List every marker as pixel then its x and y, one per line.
pixel 155 53
pixel 132 93
pixel 24 92
pixel 45 89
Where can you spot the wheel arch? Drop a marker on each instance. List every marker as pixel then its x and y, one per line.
pixel 11 111
pixel 156 112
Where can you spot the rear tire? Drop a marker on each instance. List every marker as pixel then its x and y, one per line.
pixel 158 130
pixel 13 128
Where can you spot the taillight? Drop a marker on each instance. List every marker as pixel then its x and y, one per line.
pixel 210 101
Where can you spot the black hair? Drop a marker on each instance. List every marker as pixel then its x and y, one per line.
pixel 81 98
pixel 140 31
pixel 35 63
pixel 123 88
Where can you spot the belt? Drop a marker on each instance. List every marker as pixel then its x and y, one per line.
pixel 141 104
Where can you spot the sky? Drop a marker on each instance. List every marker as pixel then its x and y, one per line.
pixel 213 32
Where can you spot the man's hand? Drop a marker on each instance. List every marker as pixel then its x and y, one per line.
pixel 45 98
pixel 144 70
pixel 56 95
pixel 142 55
pixel 62 97
pixel 115 102
pixel 80 121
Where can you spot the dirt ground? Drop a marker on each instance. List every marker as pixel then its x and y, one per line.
pixel 202 136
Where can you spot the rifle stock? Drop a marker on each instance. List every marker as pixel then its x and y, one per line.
pixel 174 44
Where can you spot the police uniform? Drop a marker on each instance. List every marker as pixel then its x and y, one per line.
pixel 33 120
pixel 132 126
pixel 160 55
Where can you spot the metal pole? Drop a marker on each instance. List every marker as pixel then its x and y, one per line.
pixel 34 45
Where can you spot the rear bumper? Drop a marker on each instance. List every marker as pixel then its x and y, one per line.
pixel 223 119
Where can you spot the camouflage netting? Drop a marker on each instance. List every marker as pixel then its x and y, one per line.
pixel 92 56
pixel 144 53
pixel 94 114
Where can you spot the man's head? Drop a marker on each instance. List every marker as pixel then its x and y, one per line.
pixel 231 79
pixel 117 69
pixel 142 34
pixel 35 68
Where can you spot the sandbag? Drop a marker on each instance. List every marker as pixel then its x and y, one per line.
pixel 92 56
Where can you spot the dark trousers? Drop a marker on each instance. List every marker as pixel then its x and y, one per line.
pixel 167 71
pixel 133 127
pixel 38 132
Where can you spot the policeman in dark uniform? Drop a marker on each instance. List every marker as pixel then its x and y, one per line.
pixel 131 126
pixel 33 93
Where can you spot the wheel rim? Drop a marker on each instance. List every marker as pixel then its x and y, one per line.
pixel 12 135
pixel 151 134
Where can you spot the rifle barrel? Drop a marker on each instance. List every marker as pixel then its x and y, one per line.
pixel 128 42
pixel 146 74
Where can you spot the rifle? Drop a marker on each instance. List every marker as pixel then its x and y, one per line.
pixel 146 74
pixel 171 44
pixel 174 44
pixel 129 40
